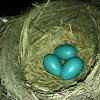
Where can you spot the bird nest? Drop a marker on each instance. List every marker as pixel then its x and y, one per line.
pixel 27 38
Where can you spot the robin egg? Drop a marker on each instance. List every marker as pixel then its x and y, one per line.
pixel 52 64
pixel 65 52
pixel 72 68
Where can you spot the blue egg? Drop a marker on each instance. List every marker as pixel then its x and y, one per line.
pixel 52 64
pixel 65 52
pixel 72 68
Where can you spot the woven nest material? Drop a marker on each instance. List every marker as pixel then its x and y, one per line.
pixel 25 41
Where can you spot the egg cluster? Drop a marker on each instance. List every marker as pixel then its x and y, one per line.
pixel 72 66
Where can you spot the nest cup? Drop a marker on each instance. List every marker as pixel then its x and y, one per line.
pixel 28 38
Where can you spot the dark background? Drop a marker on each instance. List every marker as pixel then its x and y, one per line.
pixel 15 7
